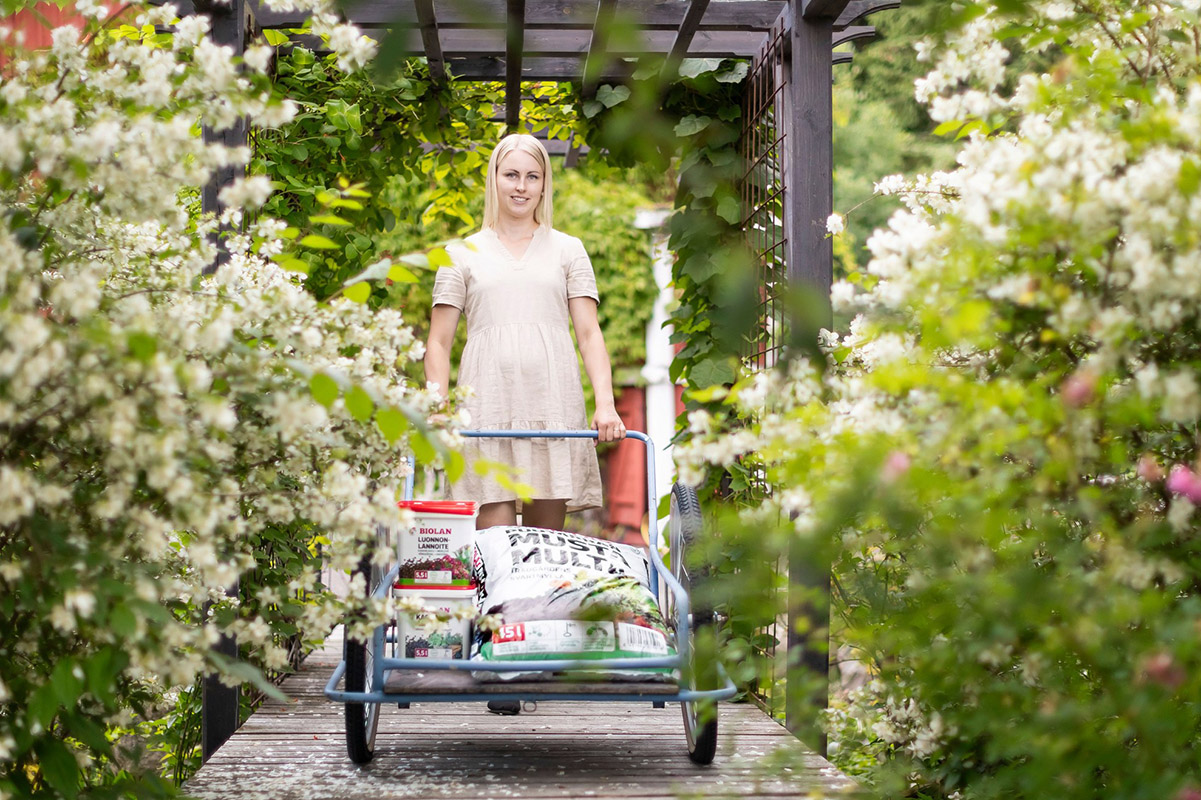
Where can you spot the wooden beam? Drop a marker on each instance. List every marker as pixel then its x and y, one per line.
pixel 808 201
pixel 858 9
pixel 682 44
pixel 578 44
pixel 514 51
pixel 731 15
pixel 582 43
pixel 851 34
pixel 822 9
pixel 490 66
pixel 428 24
pixel 597 39
pixel 573 154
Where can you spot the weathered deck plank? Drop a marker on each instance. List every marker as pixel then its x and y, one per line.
pixel 296 751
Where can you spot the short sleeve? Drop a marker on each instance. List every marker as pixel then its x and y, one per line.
pixel 581 282
pixel 450 287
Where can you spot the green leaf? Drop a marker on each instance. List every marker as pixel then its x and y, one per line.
pixel 610 96
pixel 245 671
pixel 691 124
pixel 399 274
pixel 455 466
pixel 591 108
pixel 43 705
pixel 88 732
pixel 59 767
pixel 324 389
pixel 289 232
pixel 711 371
pixel 438 257
pixel 1190 178
pixel 692 67
pixel 293 264
pixel 359 292
pixel 328 219
pixel 734 74
pixel 391 423
pixel 275 38
pixel 730 209
pixel 359 403
pixel 66 686
pixel 101 670
pixel 318 242
pixel 122 621
pixel 142 346
pixel 423 450
pixel 949 126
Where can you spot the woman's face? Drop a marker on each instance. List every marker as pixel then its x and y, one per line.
pixel 519 184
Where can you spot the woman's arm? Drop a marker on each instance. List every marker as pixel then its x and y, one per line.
pixel 588 334
pixel 444 320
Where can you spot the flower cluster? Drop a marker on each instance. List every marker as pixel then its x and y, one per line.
pixel 979 457
pixel 165 431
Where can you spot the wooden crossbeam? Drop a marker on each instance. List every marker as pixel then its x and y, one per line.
pixel 682 44
pixel 858 9
pixel 579 43
pixel 729 15
pixel 597 39
pixel 514 51
pixel 428 24
pixel 823 9
pixel 851 34
pixel 474 60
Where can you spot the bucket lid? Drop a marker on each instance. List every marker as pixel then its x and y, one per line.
pixel 464 508
pixel 466 593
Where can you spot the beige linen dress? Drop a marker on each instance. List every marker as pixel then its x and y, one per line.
pixel 521 363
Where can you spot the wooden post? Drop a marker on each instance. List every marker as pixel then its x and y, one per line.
pixel 809 201
pixel 232 25
pixel 218 705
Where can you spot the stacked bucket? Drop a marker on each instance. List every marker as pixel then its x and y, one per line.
pixel 435 555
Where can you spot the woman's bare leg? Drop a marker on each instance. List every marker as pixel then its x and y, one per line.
pixel 502 513
pixel 544 514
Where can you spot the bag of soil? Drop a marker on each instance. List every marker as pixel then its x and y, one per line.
pixel 565 596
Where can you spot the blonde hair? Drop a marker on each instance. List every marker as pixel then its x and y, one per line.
pixel 528 144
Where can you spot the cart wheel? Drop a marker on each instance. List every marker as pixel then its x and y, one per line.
pixel 700 718
pixel 362 719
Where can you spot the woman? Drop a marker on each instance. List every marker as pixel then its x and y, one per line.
pixel 519 285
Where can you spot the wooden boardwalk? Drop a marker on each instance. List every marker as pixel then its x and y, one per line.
pixel 297 751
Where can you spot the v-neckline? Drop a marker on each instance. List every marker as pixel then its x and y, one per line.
pixel 517 260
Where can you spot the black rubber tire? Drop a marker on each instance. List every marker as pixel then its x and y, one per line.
pixel 685 522
pixel 362 719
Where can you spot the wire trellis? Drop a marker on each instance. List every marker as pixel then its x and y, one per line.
pixel 763 191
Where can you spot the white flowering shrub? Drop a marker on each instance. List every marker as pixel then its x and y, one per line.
pixel 1000 456
pixel 165 432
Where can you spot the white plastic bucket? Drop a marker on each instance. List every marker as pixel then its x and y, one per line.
pixel 435 551
pixel 421 636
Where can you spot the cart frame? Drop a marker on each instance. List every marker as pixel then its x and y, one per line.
pixel 660 572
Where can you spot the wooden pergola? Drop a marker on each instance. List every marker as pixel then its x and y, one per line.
pixel 787 122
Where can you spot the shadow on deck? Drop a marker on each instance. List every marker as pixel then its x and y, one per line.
pixel 297 751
